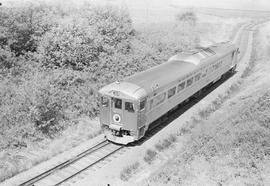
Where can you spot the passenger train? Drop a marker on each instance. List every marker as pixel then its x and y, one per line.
pixel 128 107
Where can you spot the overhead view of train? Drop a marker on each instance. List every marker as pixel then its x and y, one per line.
pixel 128 107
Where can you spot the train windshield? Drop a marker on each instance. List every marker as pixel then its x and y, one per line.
pixel 117 103
pixel 129 107
pixel 142 104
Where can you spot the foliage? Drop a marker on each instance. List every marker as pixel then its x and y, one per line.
pixel 7 60
pixel 82 40
pixel 127 172
pixel 22 26
pixel 54 58
pixel 46 99
pixel 187 17
pixel 150 155
pixel 166 143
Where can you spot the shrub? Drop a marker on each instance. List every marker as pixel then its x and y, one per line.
pixel 150 156
pixel 46 99
pixel 188 17
pixel 22 26
pixel 7 60
pixel 166 143
pixel 100 33
pixel 127 172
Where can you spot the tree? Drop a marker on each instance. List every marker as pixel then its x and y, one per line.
pixel 187 18
pixel 23 26
pixel 82 39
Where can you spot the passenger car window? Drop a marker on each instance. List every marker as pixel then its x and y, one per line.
pixel 129 107
pixel 171 92
pixel 142 105
pixel 104 101
pixel 117 103
pixel 160 98
pixel 189 82
pixel 181 86
pixel 197 77
pixel 204 73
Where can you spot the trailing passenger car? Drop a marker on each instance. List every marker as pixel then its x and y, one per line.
pixel 130 106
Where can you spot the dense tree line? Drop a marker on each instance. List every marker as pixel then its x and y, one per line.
pixel 53 60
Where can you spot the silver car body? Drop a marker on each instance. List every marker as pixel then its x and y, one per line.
pixel 154 92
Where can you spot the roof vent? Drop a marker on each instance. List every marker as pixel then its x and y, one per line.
pixel 117 82
pixel 155 86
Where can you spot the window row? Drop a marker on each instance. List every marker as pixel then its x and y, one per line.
pixel 217 65
pixel 117 103
pixel 171 92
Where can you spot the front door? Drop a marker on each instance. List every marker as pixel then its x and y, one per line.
pixel 116 111
pixel 129 115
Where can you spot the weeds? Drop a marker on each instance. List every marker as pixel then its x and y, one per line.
pixel 128 171
pixel 183 131
pixel 166 143
pixel 150 156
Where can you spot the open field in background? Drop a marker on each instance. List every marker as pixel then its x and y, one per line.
pixel 49 92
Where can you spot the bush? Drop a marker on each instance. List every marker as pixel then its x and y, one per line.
pixel 187 17
pixel 166 143
pixel 7 60
pixel 46 99
pixel 127 172
pixel 150 156
pixel 100 33
pixel 22 26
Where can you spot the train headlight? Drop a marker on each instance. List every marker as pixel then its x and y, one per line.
pixel 116 118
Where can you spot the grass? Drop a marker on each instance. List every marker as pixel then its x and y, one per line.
pixel 128 171
pixel 217 103
pixel 237 154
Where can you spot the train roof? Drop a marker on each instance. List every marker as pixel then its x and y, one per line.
pixel 175 68
pixel 161 75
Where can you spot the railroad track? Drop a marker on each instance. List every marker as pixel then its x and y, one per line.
pixel 74 166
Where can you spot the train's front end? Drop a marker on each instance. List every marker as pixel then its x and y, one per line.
pixel 122 109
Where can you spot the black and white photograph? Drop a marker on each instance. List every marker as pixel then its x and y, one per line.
pixel 134 92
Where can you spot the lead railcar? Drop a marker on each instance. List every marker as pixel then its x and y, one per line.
pixel 130 106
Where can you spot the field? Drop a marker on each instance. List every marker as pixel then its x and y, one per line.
pixel 55 58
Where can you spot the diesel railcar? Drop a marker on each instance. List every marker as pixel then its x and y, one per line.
pixel 128 107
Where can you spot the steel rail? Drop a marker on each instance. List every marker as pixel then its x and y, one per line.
pixel 92 164
pixel 65 163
